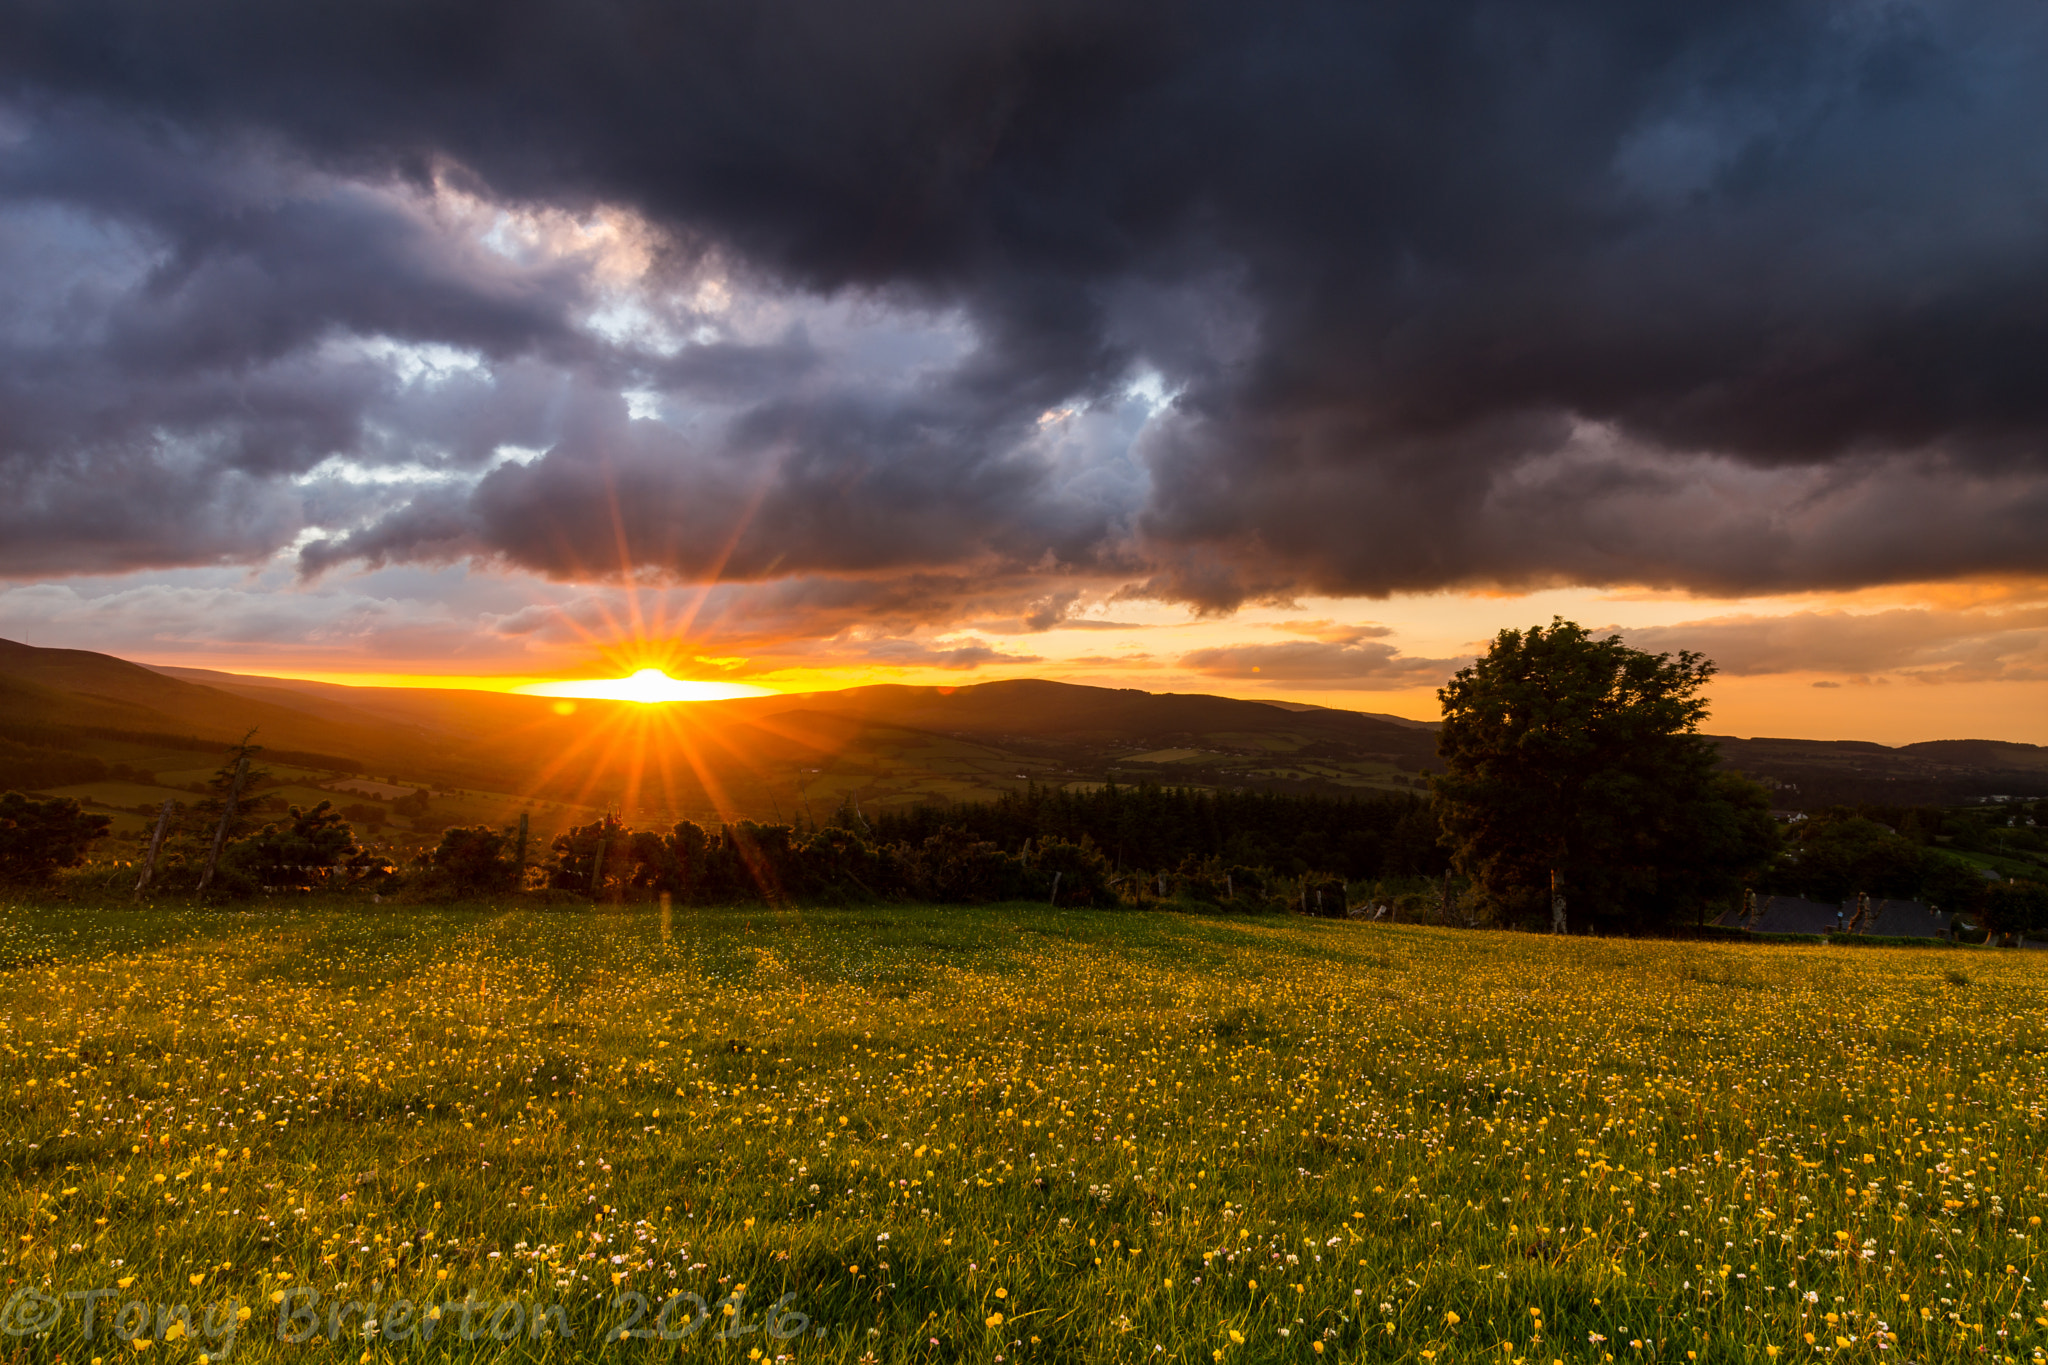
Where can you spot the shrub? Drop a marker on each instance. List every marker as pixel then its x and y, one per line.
pixel 39 837
pixel 1082 871
pixel 577 856
pixel 305 849
pixel 469 861
pixel 953 866
pixel 1323 896
pixel 2014 907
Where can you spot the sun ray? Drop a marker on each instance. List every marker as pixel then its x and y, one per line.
pixel 710 579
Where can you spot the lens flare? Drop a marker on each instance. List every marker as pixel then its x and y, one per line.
pixel 648 685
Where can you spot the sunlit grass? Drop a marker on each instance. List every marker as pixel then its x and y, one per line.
pixel 1005 1133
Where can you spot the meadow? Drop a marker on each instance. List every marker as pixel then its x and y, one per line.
pixel 316 1132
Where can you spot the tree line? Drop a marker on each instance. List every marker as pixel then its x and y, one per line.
pixel 1165 828
pixel 1106 847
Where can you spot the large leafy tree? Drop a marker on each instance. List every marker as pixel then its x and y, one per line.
pixel 1574 770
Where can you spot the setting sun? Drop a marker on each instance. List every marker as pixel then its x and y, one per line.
pixel 646 685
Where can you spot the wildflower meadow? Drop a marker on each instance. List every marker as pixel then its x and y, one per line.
pixel 1004 1134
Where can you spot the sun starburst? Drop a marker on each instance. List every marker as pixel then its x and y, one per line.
pixel 647 685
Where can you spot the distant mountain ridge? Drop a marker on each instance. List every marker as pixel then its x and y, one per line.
pixel 884 743
pixel 1042 709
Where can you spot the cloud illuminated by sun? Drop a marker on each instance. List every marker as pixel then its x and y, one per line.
pixel 647 685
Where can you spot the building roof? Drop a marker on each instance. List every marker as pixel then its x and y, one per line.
pixel 1791 915
pixel 1906 919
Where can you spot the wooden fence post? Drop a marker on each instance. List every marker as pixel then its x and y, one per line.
pixel 227 815
pixel 156 844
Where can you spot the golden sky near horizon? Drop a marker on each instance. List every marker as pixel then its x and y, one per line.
pixel 1893 666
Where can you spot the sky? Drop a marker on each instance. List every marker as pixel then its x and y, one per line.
pixel 1283 350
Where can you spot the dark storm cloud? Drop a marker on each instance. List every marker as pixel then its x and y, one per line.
pixel 167 374
pixel 1280 505
pixel 247 259
pixel 837 484
pixel 1729 295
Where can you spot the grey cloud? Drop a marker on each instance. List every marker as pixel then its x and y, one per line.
pixel 762 620
pixel 118 509
pixel 238 255
pixel 917 654
pixel 1334 632
pixel 527 620
pixel 167 369
pixel 1932 644
pixel 414 619
pixel 1054 611
pixel 215 618
pixel 434 525
pixel 828 607
pixel 1585 508
pixel 837 484
pixel 1316 663
pixel 730 372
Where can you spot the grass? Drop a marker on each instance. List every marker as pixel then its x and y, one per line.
pixel 2004 864
pixel 121 793
pixel 1007 1134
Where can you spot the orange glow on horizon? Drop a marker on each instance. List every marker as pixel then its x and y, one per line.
pixel 648 686
pixel 1894 664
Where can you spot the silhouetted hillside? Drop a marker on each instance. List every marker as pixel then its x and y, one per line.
pixel 78 688
pixel 1072 715
pixel 782 756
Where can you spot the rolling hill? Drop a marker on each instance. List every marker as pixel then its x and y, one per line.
pixel 152 731
pixel 74 688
